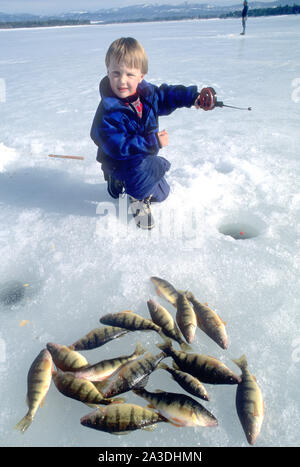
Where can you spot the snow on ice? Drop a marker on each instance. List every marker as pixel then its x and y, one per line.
pixel 229 230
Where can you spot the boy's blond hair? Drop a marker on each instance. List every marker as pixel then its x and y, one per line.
pixel 130 51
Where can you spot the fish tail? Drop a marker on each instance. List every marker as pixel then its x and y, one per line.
pixel 163 335
pixel 165 346
pixel 186 347
pixel 189 295
pixel 240 362
pixel 25 423
pixel 115 400
pixel 139 350
pixel 162 366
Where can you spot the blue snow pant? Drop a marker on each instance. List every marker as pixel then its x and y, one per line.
pixel 160 191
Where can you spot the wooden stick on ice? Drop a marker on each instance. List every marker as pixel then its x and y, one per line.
pixel 66 157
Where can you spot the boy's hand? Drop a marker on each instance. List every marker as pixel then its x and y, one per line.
pixel 163 138
pixel 206 99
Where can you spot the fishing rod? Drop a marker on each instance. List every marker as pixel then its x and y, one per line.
pixel 221 104
pixel 208 100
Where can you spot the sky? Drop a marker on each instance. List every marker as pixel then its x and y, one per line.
pixel 59 6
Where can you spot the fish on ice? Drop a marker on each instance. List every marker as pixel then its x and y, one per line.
pixel 204 367
pixel 98 337
pixel 181 410
pixel 131 321
pixel 38 383
pixel 121 419
pixel 186 318
pixel 102 370
pixel 188 382
pixel 133 373
pixel 249 402
pixel 66 359
pixel 163 318
pixel 79 389
pixel 165 289
pixel 209 321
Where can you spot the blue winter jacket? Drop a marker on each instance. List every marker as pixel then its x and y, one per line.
pixel 127 144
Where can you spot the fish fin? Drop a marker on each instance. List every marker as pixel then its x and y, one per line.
pixel 186 347
pixel 118 433
pixel 176 422
pixel 175 366
pixel 159 391
pixel 100 385
pixel 42 402
pixel 189 295
pixel 139 350
pixel 162 366
pixel 150 406
pixel 167 344
pixel 116 400
pixel 224 322
pixel 149 427
pixel 182 292
pixel 240 362
pixel 126 311
pixel 142 383
pixel 23 424
pixel 92 406
pixel 254 377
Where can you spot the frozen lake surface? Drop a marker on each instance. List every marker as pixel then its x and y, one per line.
pixel 229 230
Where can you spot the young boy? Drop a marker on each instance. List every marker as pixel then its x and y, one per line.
pixel 125 127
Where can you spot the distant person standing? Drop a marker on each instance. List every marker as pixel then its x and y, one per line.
pixel 244 17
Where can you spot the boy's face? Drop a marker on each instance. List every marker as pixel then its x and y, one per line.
pixel 123 80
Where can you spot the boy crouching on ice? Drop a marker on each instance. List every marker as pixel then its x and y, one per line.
pixel 125 127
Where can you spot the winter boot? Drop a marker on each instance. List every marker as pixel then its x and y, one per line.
pixel 115 187
pixel 142 213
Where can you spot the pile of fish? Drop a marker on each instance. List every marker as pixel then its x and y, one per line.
pixel 97 385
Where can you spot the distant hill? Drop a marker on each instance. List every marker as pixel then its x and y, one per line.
pixel 142 12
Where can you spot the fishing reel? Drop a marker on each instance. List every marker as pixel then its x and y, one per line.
pixel 207 100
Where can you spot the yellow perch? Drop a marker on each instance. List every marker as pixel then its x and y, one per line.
pixel 179 409
pixel 204 367
pixel 130 321
pixel 165 289
pixel 121 419
pixel 249 402
pixel 188 382
pixel 209 322
pixel 133 373
pixel 104 369
pixel 186 318
pixel 79 389
pixel 161 316
pixel 98 337
pixel 38 383
pixel 66 359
